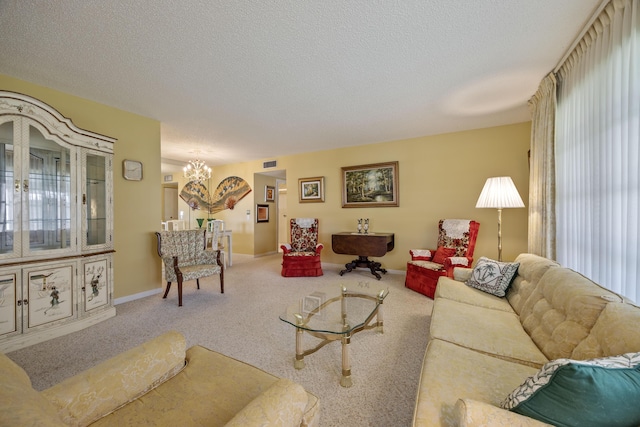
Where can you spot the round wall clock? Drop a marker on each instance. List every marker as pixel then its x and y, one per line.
pixel 132 170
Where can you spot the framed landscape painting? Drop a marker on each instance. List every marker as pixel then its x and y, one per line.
pixel 374 185
pixel 311 189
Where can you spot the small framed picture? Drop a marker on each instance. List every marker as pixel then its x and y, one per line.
pixel 269 193
pixel 262 213
pixel 311 190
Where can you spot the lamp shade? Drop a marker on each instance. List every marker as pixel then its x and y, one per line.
pixel 499 192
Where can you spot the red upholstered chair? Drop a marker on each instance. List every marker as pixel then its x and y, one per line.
pixel 456 242
pixel 301 258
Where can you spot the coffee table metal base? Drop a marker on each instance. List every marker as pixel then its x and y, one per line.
pixel 345 380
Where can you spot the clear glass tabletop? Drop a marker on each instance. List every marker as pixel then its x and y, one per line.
pixel 339 309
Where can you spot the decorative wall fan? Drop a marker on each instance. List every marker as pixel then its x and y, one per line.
pixel 228 193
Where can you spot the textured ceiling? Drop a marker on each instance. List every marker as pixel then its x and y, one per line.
pixel 243 80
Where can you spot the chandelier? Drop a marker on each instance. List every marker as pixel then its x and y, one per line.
pixel 197 171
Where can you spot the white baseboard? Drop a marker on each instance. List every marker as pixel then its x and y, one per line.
pixel 136 296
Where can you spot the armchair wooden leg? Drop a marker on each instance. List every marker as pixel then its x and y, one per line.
pixel 166 292
pixel 222 280
pixel 198 283
pixel 179 293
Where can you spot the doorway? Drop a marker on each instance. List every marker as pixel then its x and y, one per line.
pixel 170 202
pixel 283 221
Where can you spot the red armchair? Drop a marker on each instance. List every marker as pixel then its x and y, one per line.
pixel 456 242
pixel 301 258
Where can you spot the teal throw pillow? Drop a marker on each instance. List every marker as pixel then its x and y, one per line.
pixel 493 277
pixel 596 392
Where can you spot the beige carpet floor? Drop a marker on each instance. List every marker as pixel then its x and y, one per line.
pixel 243 323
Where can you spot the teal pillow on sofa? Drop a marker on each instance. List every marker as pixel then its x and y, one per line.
pixel 596 392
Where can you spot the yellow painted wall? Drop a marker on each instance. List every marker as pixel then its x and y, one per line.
pixel 440 177
pixel 137 205
pixel 265 233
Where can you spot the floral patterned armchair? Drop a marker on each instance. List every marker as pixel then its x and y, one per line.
pixel 456 242
pixel 301 258
pixel 185 257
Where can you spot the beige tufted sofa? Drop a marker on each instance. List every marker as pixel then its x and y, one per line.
pixel 158 384
pixel 482 347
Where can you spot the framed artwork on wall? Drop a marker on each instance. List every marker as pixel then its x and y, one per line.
pixel 373 185
pixel 269 193
pixel 262 213
pixel 311 190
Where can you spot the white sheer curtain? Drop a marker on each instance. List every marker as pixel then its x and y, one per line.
pixel 597 152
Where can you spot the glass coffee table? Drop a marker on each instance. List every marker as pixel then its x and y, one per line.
pixel 336 313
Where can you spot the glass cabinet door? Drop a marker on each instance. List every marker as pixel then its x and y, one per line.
pixel 7 189
pixel 96 209
pixel 49 192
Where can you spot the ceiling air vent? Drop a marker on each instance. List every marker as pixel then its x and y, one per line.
pixel 271 164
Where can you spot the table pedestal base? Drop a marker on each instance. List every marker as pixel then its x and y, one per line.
pixel 364 261
pixel 345 337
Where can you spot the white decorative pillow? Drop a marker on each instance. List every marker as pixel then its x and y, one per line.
pixel 493 277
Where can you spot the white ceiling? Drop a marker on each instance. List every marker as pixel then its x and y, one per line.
pixel 247 79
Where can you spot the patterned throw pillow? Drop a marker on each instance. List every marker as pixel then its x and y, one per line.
pixel 567 392
pixel 443 253
pixel 493 277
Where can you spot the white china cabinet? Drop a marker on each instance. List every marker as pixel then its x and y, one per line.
pixel 56 224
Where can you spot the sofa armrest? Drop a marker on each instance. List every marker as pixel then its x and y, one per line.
pixel 462 274
pixel 469 413
pixel 456 261
pixel 281 405
pixel 102 389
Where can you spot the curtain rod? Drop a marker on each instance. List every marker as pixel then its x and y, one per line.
pixel 586 28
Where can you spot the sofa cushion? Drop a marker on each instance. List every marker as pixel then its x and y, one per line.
pixel 20 404
pixel 210 391
pixel 492 276
pixel 567 392
pixel 97 391
pixel 495 332
pixel 450 372
pixel 616 331
pixel 531 269
pixel 561 311
pixel 458 291
pixel 281 405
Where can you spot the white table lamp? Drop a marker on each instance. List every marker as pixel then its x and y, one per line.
pixel 499 193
